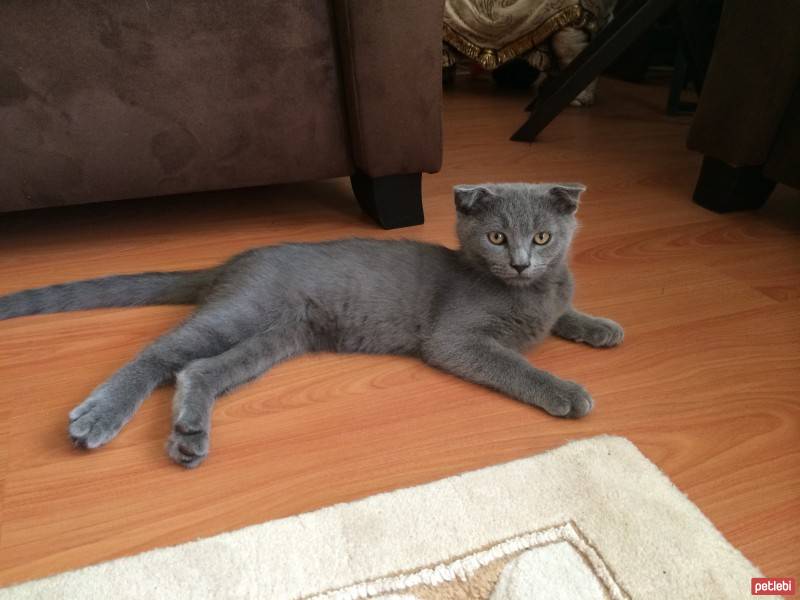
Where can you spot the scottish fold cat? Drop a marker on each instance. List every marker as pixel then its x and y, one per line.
pixel 469 311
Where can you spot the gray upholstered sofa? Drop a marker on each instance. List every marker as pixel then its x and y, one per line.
pixel 116 99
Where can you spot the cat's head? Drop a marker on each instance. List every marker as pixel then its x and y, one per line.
pixel 516 231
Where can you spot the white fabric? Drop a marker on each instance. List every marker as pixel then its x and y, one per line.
pixel 551 572
pixel 653 539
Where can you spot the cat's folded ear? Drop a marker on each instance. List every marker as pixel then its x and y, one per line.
pixel 471 199
pixel 564 197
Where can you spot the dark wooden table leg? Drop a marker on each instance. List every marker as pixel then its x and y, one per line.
pixel 680 75
pixel 559 90
pixel 393 200
pixel 699 23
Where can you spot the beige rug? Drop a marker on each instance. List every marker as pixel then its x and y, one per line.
pixel 591 520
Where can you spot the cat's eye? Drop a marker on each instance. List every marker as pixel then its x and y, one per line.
pixel 497 237
pixel 541 238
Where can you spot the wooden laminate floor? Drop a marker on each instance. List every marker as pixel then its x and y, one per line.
pixel 706 383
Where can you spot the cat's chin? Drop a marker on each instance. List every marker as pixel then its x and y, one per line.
pixel 519 281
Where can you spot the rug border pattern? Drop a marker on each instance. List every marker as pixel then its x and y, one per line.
pixel 462 568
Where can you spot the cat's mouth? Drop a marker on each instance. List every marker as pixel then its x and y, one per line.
pixel 526 277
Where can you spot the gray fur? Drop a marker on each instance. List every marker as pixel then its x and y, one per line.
pixel 143 289
pixel 465 311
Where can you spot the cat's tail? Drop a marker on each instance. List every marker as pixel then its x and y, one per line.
pixel 141 289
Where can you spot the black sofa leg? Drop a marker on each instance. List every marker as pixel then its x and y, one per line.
pixel 724 188
pixel 393 200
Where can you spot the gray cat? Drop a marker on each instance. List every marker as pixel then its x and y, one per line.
pixel 469 312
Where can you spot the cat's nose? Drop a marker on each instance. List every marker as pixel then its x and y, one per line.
pixel 521 268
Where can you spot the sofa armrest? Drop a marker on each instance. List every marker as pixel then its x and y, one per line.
pixel 391 72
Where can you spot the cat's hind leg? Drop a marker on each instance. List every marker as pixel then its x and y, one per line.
pixel 595 331
pixel 204 380
pixel 567 44
pixel 111 405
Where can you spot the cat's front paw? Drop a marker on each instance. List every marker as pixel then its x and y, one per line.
pixel 567 399
pixel 604 333
pixel 584 99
